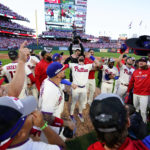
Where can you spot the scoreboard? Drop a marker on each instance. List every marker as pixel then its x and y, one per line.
pixel 65 13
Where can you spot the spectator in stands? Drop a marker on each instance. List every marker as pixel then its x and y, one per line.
pixel 41 67
pixel 17 117
pixel 111 121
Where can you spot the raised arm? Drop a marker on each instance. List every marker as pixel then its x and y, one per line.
pixel 119 60
pixel 70 49
pixel 82 48
pixel 14 88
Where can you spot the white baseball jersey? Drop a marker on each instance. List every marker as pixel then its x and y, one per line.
pixel 80 73
pixel 107 70
pixel 36 145
pixel 31 63
pixel 125 74
pixel 50 98
pixel 9 71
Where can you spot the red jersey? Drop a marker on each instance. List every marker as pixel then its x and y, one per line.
pixel 127 145
pixel 92 72
pixel 40 72
pixel 140 80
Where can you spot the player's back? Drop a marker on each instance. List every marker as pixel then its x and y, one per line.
pixel 9 70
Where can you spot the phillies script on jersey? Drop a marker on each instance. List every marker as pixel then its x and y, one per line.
pixel 80 69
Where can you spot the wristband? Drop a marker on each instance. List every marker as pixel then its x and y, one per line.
pixel 116 77
pixel 66 82
pixel 57 122
pixel 45 125
pixel 92 58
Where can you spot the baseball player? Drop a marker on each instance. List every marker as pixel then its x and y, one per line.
pixel 31 63
pixel 91 78
pixel 51 95
pixel 73 58
pixel 126 72
pixel 80 73
pixel 9 71
pixel 140 80
pixel 110 73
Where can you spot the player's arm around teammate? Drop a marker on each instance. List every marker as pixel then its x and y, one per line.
pixel 15 86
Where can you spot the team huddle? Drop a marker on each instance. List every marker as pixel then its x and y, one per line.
pixel 44 78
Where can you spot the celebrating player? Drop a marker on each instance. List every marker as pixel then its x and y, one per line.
pixel 9 71
pixel 126 71
pixel 91 79
pixel 109 74
pixel 141 88
pixel 50 99
pixel 80 73
pixel 14 87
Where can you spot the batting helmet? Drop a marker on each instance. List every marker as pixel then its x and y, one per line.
pixel 13 55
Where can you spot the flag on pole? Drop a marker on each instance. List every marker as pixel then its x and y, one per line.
pixel 140 23
pixel 130 25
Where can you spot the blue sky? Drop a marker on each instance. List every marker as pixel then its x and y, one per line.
pixel 104 17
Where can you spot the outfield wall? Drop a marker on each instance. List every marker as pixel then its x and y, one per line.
pixel 63 48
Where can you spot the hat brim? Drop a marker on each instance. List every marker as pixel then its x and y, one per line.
pixel 29 105
pixel 132 43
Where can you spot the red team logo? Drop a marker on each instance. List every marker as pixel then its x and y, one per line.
pixel 80 69
pixel 52 1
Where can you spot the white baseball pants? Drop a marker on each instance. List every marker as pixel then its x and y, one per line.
pixel 117 83
pixel 91 85
pixel 106 87
pixel 78 94
pixel 141 103
pixel 122 89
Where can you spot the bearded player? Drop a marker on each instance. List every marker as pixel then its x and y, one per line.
pixel 126 71
pixel 110 73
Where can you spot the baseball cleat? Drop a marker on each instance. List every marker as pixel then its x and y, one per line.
pixel 81 117
pixel 72 118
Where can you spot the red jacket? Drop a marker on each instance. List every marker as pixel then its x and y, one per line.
pixel 40 72
pixel 140 80
pixel 92 72
pixel 127 145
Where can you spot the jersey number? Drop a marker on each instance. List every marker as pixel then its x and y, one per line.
pixel 12 73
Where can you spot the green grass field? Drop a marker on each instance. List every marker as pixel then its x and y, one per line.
pixel 80 143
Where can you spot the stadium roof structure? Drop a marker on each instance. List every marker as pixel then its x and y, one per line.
pixel 7 12
pixel 7 26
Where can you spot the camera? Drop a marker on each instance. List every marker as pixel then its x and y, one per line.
pixel 75 37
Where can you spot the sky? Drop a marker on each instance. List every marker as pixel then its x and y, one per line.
pixel 104 17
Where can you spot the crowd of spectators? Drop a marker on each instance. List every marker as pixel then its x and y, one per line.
pixel 65 34
pixel 12 25
pixel 6 11
pixel 11 42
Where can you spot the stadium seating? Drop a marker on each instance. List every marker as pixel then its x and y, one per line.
pixel 13 26
pixel 7 12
